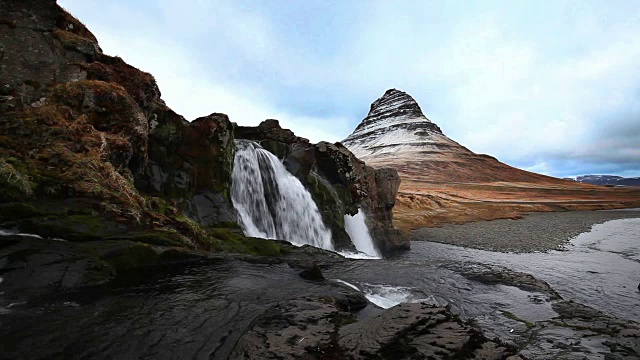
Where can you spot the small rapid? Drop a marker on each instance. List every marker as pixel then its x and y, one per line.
pixel 271 203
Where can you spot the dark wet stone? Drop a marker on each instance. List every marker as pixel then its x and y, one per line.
pixel 313 328
pixel 313 273
pixel 350 301
pixel 494 274
pixel 210 208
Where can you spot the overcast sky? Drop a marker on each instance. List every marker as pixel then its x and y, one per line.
pixel 548 86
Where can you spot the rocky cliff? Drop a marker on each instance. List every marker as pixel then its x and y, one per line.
pixel 89 151
pixel 86 138
pixel 339 182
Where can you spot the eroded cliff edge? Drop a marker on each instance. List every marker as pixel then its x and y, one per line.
pixel 339 182
pixel 90 153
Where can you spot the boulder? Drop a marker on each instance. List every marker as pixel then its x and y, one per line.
pixel 317 329
pixel 312 272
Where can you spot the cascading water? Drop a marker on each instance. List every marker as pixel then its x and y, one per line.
pixel 271 203
pixel 359 233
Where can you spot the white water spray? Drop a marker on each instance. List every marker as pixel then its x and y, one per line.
pixel 271 203
pixel 357 229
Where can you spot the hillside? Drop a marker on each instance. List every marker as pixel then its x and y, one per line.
pixel 444 182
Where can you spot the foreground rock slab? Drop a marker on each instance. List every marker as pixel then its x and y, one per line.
pixel 311 328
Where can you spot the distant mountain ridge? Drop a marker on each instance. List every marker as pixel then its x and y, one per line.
pixel 607 180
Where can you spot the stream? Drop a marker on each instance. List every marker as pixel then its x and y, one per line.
pixel 201 311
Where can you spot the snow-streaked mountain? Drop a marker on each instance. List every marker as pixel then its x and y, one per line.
pixel 607 180
pixel 396 126
pixel 396 133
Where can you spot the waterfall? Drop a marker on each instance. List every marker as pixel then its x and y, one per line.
pixel 271 203
pixel 359 233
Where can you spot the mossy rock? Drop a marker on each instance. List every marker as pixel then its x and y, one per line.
pixel 168 133
pixel 279 149
pixel 17 210
pixel 71 41
pixel 133 256
pixel 178 255
pixel 98 274
pixel 231 241
pixel 68 227
pixel 158 237
pixel 228 225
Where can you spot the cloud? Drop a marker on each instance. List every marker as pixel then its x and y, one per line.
pixel 192 90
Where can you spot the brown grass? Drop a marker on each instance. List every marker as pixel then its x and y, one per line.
pixel 11 177
pixel 70 23
pixel 83 155
pixel 431 204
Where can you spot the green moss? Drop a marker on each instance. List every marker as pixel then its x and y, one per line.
pixel 167 133
pixel 68 227
pixel 159 237
pixel 275 147
pixel 72 41
pixel 101 273
pixel 17 210
pixel 512 316
pixel 230 241
pixel 189 226
pixel 137 255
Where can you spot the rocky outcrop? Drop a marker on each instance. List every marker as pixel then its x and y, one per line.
pixel 316 329
pixel 339 182
pixel 88 149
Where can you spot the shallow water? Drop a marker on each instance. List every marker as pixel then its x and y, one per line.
pixel 600 268
pixel 202 311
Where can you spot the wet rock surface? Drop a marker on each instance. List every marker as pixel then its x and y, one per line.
pixel 309 328
pixel 494 274
pixel 241 306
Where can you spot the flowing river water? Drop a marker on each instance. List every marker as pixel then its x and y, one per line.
pixel 201 311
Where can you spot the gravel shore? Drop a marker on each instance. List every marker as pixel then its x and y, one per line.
pixel 534 232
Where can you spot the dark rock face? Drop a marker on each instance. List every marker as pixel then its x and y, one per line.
pixel 191 163
pixel 86 142
pixel 312 328
pixel 387 238
pixel 33 266
pixel 40 45
pixel 339 182
pixel 312 272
